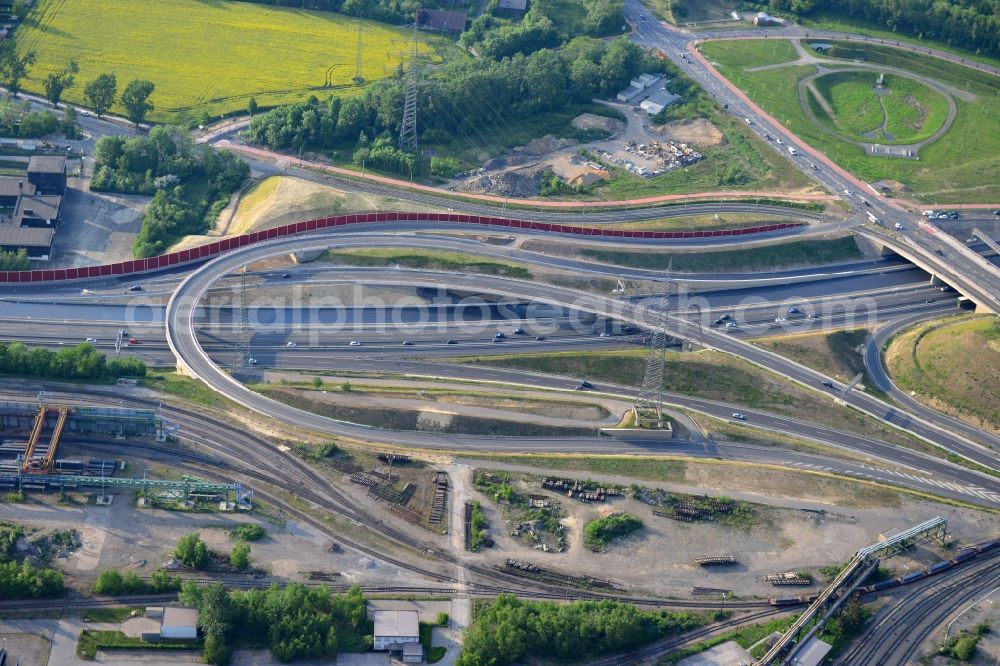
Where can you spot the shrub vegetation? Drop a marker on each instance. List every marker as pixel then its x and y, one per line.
pixel 510 629
pixel 81 361
pixel 597 533
pixel 190 186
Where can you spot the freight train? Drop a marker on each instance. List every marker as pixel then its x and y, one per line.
pixel 905 579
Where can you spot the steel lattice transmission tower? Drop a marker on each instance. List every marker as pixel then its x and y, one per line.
pixel 408 129
pixel 648 408
pixel 242 356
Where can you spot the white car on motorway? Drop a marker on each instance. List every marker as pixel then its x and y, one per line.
pixel 355 343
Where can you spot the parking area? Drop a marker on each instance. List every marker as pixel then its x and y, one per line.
pixel 95 228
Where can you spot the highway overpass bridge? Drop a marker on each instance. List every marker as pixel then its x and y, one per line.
pixel 945 258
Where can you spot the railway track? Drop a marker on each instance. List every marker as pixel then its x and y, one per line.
pixel 896 636
pixel 240 454
pixel 664 647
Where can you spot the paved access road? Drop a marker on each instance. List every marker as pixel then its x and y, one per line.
pixel 899 228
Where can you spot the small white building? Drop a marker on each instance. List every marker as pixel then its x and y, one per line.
pixel 658 101
pixel 395 628
pixel 765 19
pixel 179 623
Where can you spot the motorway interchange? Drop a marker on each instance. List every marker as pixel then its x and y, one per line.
pixel 171 322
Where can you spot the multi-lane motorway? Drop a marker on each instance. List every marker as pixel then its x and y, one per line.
pixel 182 335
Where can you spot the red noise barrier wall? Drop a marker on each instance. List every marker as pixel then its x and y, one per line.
pixel 210 250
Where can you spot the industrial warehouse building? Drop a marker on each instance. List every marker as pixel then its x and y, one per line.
pixel 31 205
pixel 637 86
pixel 658 101
pixel 395 628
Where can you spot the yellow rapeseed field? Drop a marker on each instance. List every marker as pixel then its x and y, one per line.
pixel 206 55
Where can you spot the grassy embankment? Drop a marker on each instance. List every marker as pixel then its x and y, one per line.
pixel 205 56
pixel 960 167
pixel 839 354
pixel 438 260
pixel 757 258
pixel 713 376
pixel 951 365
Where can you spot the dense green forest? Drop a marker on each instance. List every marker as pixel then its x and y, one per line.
pixel 468 99
pixel 295 622
pixel 973 25
pixel 510 629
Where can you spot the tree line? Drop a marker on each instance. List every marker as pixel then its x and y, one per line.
pixel 295 622
pixel 510 629
pixel 513 88
pixel 100 93
pixel 973 25
pixel 82 361
pixel 190 185
pixel 114 583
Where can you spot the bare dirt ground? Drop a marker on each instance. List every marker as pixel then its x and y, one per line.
pixel 696 131
pixel 518 172
pixel 788 535
pixel 550 409
pixel 123 537
pixel 590 121
pixel 985 610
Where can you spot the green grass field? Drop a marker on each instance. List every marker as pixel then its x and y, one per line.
pixel 913 112
pixel 754 52
pixel 425 259
pixel 709 375
pixel 934 361
pixel 852 97
pixel 205 55
pixel 959 168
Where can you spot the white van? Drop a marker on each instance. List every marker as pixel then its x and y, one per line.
pixel 792 151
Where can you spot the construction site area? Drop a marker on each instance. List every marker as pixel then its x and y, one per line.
pixel 633 145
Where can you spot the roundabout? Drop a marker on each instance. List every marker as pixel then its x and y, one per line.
pixel 894 114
